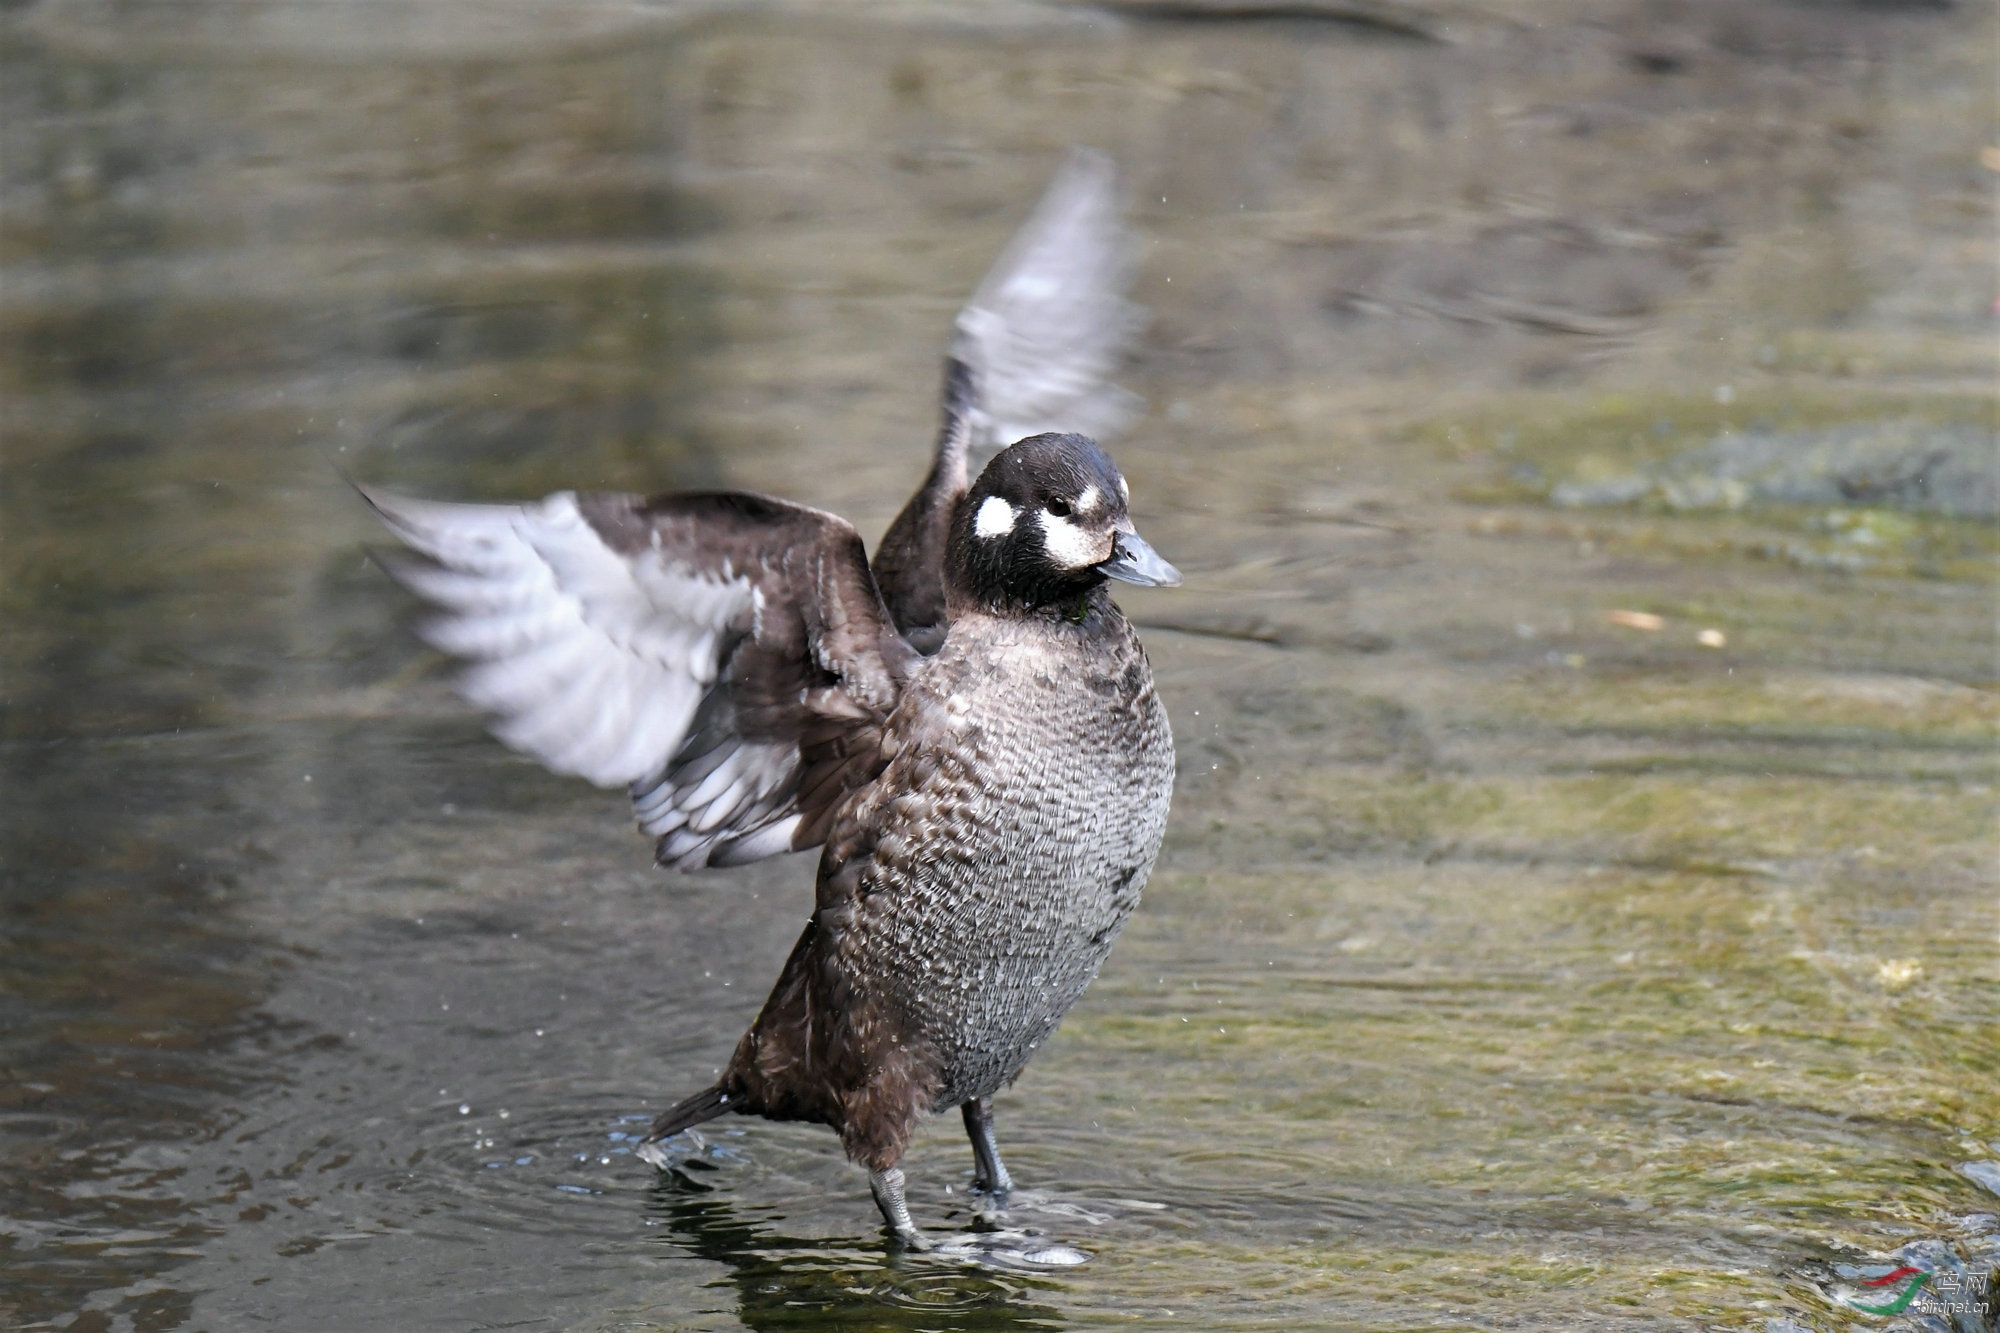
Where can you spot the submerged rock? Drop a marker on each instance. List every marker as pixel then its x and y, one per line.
pixel 1904 463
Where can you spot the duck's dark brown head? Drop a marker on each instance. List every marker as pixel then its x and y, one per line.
pixel 1046 523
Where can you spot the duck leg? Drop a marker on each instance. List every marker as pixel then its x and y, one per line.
pixel 887 1187
pixel 991 1175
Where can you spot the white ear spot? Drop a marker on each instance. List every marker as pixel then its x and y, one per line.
pixel 1088 501
pixel 1124 490
pixel 1069 546
pixel 995 518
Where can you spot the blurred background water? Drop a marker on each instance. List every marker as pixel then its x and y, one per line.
pixel 1576 422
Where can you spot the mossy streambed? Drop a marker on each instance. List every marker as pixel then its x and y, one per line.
pixel 1579 910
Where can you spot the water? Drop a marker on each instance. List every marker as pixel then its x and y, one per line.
pixel 1509 964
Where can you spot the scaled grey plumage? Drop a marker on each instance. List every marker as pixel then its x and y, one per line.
pixel 989 813
pixel 1007 842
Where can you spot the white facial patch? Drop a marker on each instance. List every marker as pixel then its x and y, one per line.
pixel 1087 502
pixel 995 518
pixel 1069 546
pixel 1124 490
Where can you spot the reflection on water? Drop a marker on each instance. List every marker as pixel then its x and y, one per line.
pixel 785 1282
pixel 1511 961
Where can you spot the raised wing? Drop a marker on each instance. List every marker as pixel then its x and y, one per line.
pixel 909 562
pixel 1050 323
pixel 1031 352
pixel 725 657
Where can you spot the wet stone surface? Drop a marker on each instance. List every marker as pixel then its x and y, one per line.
pixel 1891 464
pixel 1572 917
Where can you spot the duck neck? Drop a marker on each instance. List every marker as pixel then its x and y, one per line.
pixel 1057 603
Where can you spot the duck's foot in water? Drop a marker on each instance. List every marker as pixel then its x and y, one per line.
pixel 1005 1248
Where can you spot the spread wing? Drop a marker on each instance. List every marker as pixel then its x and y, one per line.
pixel 1050 323
pixel 726 657
pixel 1031 352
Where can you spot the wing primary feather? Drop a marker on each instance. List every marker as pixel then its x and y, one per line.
pixel 681 647
pixel 719 779
pixel 1050 322
pixel 770 840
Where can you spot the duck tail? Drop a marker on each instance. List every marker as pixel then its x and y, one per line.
pixel 704 1106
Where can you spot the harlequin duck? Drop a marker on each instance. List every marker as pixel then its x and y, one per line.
pixel 969 729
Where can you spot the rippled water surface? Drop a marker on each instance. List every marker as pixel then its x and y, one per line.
pixel 1579 907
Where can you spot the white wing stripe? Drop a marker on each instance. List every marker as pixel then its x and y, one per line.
pixel 478 593
pixel 594 661
pixel 767 841
pixel 728 776
pixel 499 635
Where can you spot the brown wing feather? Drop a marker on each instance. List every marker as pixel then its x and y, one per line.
pixel 794 720
pixel 909 564
pixel 727 657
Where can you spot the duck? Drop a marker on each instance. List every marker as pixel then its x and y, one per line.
pixel 967 727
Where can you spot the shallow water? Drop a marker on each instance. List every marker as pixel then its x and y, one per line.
pixel 1510 963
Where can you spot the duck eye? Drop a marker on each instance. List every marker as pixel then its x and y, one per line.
pixel 1059 508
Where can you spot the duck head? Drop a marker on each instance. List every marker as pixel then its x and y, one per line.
pixel 1045 524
